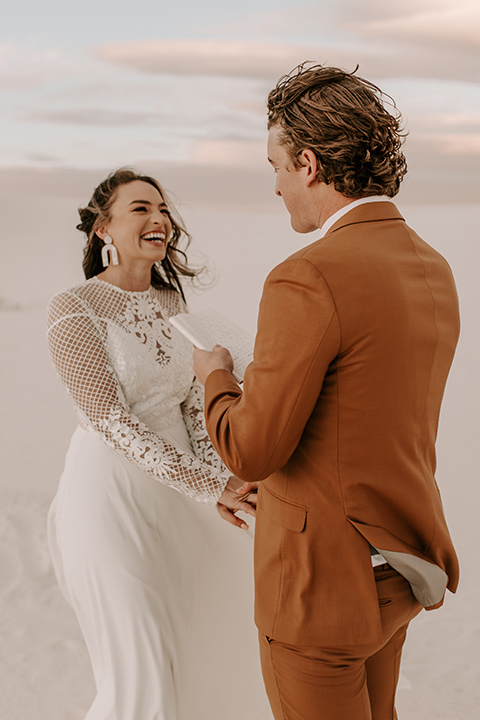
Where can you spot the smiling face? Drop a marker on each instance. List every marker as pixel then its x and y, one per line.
pixel 139 224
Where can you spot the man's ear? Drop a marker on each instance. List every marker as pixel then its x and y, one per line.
pixel 310 162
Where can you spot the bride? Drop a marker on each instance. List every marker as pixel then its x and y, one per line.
pixel 161 586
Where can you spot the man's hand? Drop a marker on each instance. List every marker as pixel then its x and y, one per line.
pixel 205 362
pixel 230 502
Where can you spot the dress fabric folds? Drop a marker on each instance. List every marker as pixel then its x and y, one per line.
pixel 161 586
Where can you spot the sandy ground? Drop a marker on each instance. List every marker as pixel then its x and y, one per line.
pixel 44 668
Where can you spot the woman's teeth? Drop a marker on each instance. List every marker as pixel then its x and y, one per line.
pixel 154 237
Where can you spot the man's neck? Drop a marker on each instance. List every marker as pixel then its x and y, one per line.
pixel 330 201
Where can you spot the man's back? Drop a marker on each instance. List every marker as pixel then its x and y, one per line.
pixel 376 419
pixel 338 417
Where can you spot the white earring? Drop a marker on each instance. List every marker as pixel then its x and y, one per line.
pixel 109 252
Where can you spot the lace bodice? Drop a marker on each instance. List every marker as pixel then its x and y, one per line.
pixel 128 372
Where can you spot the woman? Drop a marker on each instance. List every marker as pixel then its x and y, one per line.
pixel 160 585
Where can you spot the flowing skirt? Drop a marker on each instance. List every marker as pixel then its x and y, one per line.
pixel 163 592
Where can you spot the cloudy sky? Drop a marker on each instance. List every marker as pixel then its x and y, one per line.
pixel 99 84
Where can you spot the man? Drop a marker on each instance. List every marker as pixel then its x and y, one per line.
pixel 338 416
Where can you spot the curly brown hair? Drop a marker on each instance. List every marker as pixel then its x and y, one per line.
pixel 165 274
pixel 342 119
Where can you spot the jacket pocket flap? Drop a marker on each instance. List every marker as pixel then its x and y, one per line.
pixel 286 513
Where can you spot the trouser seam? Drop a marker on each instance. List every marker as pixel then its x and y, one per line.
pixel 276 680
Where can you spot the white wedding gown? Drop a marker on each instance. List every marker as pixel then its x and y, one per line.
pixel 162 587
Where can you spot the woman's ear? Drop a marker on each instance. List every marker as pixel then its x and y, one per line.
pixel 310 163
pixel 102 232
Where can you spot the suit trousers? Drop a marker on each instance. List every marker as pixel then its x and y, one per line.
pixel 347 683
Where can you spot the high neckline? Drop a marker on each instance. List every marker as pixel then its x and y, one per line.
pixel 148 291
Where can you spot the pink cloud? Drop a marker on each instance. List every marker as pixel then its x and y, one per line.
pixel 382 56
pixel 205 57
pixel 453 144
pixel 453 24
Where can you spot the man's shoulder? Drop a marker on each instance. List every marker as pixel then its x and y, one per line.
pixel 307 270
pixel 377 230
pixel 320 253
pixel 301 261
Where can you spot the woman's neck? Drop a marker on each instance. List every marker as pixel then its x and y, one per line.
pixel 133 279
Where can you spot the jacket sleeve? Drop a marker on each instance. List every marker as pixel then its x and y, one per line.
pixel 256 431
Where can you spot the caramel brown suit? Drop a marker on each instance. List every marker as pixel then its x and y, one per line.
pixel 338 417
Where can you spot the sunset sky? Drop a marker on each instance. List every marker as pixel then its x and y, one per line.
pixel 98 84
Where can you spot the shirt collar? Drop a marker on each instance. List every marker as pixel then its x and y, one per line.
pixel 344 210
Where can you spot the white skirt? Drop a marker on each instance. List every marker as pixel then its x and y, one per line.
pixel 163 591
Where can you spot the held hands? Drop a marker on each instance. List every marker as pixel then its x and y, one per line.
pixel 237 494
pixel 248 488
pixel 205 362
pixel 235 498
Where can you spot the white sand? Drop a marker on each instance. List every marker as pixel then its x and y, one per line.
pixel 44 667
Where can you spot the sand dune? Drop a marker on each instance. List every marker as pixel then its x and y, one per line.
pixel 44 668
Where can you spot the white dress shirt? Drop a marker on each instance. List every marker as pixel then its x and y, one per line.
pixel 344 210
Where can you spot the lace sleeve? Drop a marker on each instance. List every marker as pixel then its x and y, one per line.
pixel 194 418
pixel 81 361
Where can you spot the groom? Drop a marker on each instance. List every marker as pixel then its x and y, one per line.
pixel 338 416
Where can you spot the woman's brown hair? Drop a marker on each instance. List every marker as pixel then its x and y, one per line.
pixel 342 119
pixel 165 274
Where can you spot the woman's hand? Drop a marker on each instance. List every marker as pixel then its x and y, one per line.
pixel 250 489
pixel 230 502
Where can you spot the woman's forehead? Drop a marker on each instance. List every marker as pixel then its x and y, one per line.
pixel 138 190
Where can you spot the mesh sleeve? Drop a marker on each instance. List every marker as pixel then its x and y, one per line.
pixel 83 365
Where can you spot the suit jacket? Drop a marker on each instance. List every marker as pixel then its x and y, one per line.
pixel 338 417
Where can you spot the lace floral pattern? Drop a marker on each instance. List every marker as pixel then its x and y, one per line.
pixel 128 372
pixel 194 419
